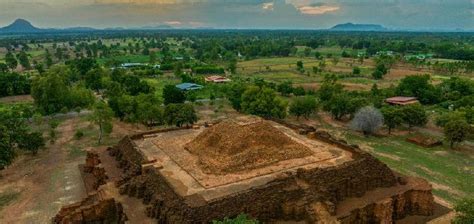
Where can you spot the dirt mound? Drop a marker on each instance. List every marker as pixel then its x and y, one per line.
pixel 231 147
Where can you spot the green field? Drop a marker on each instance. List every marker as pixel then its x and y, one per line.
pixel 450 171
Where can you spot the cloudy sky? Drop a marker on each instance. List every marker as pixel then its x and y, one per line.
pixel 312 14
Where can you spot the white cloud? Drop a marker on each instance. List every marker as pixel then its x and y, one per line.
pixel 268 6
pixel 318 10
pixel 173 23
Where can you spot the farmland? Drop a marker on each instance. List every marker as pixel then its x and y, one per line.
pixel 83 93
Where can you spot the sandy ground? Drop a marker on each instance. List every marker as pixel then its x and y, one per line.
pixel 45 182
pixel 51 179
pixel 16 99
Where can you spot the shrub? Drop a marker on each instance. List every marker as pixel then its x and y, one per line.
pixel 79 134
pixel 368 120
pixel 356 70
pixel 303 106
pixel 464 212
pixel 240 219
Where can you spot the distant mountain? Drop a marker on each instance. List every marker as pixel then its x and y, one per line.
pixel 20 26
pixel 158 27
pixel 23 26
pixel 358 27
pixel 80 29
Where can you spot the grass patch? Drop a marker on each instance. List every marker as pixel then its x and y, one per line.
pixel 126 59
pixel 438 165
pixel 7 198
pixel 75 152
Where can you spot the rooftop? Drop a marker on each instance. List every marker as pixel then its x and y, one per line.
pixel 401 100
pixel 189 86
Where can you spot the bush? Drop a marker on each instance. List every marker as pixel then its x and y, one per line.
pixel 377 74
pixel 303 106
pixel 414 115
pixel 79 134
pixel 464 212
pixel 263 102
pixel 208 70
pixel 240 219
pixel 356 70
pixel 368 120
pixel 180 114
pixel 456 131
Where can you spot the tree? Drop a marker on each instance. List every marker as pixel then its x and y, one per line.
pixel 335 60
pixel 50 93
pixel 303 106
pixel 152 56
pixel 414 115
pixel 456 131
pixel 10 60
pixel 149 111
pixel 339 105
pixel 3 68
pixel 180 114
pixel 232 66
pixel 15 134
pixel 356 70
pixel 299 91
pixel 392 117
pixel 262 101
pixel 93 78
pixel 48 59
pixel 420 87
pixel 464 211
pixel 7 153
pixel 24 61
pixel 368 120
pixel 171 94
pixel 377 74
pixel 329 88
pixel 444 118
pixel 32 142
pixel 299 66
pixel 102 116
pixel 234 94
pixel 285 88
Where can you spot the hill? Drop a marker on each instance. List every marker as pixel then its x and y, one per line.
pixel 20 26
pixel 358 27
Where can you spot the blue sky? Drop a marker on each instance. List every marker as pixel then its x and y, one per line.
pixel 304 14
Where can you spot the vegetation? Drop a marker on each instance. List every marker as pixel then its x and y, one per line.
pixel 240 219
pixel 464 211
pixel 347 75
pixel 303 106
pixel 368 120
pixel 102 116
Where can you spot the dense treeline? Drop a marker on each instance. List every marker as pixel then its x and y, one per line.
pixel 220 44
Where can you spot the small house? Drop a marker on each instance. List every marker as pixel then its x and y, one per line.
pixel 188 86
pixel 401 100
pixel 217 79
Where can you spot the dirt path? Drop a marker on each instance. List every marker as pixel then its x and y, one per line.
pixel 45 182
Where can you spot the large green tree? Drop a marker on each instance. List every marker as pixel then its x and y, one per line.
pixel 456 131
pixel 414 115
pixel 303 106
pixel 180 114
pixel 171 94
pixel 392 117
pixel 263 101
